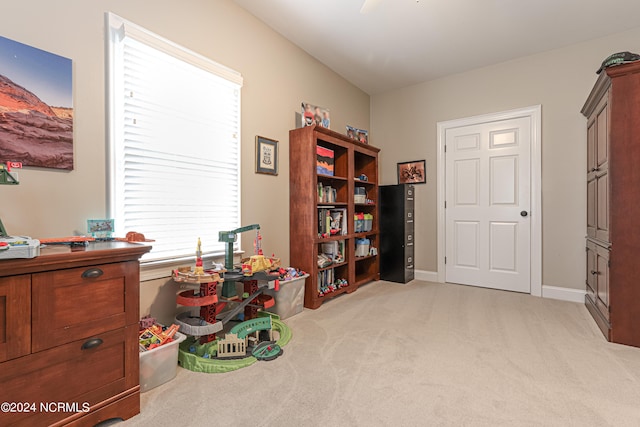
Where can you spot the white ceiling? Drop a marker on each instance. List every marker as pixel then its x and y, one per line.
pixel 398 43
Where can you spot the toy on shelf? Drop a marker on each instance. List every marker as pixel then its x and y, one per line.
pixel 326 288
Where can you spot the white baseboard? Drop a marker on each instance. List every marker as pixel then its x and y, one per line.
pixel 552 292
pixel 427 276
pixel 564 294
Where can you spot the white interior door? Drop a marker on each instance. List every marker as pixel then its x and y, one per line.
pixel 488 204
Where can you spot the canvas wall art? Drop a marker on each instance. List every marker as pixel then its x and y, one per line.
pixel 36 107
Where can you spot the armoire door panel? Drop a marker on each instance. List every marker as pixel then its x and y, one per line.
pixel 602 280
pixel 591 147
pixel 602 135
pixel 591 271
pixel 591 208
pixel 602 207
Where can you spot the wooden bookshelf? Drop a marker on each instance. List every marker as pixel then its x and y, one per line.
pixel 351 160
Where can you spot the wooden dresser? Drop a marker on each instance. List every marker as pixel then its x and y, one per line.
pixel 69 335
pixel 613 203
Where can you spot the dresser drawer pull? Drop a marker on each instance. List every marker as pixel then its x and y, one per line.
pixel 92 273
pixel 92 343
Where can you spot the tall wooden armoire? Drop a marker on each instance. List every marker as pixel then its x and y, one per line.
pixel 613 203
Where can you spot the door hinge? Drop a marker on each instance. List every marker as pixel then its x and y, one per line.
pixel 445 204
pixel 445 148
pixel 609 263
pixel 445 260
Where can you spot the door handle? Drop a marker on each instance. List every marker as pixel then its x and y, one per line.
pixel 524 213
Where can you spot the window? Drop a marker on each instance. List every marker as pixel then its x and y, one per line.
pixel 174 143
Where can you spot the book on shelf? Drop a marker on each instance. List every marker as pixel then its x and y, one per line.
pixel 324 161
pixel 332 221
pixel 326 193
pixel 325 278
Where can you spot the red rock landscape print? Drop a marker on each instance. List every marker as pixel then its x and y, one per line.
pixel 36 113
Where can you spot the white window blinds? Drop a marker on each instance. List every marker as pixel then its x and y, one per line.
pixel 175 143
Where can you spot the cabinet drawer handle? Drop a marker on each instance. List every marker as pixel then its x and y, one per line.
pixel 92 343
pixel 595 169
pixel 92 273
pixel 594 272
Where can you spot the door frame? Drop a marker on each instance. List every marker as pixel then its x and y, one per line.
pixel 535 114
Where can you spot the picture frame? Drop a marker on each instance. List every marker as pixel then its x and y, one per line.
pixel 414 172
pixel 313 115
pixel 360 135
pixel 266 156
pixel 100 228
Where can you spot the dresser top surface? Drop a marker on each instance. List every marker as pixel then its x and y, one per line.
pixel 54 257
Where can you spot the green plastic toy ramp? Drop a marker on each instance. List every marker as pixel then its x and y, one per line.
pixel 197 363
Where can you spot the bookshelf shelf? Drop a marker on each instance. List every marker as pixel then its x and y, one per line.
pixel 346 159
pixel 359 182
pixel 363 258
pixel 332 266
pixel 323 177
pixel 328 204
pixel 331 238
pixel 365 233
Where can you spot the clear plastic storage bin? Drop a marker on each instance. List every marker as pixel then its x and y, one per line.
pixel 160 365
pixel 290 298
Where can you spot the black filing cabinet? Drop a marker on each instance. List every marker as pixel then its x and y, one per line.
pixel 397 232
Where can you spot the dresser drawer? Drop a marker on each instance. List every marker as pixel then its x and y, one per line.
pixel 83 373
pixel 15 316
pixel 77 303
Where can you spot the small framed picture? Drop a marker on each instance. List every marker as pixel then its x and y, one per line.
pixel 266 156
pixel 100 228
pixel 360 135
pixel 414 172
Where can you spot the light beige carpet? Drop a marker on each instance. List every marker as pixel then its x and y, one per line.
pixel 421 354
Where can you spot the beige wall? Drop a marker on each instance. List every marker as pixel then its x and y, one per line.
pixel 277 77
pixel 404 127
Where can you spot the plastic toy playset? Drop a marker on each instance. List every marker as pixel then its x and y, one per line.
pixel 208 348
